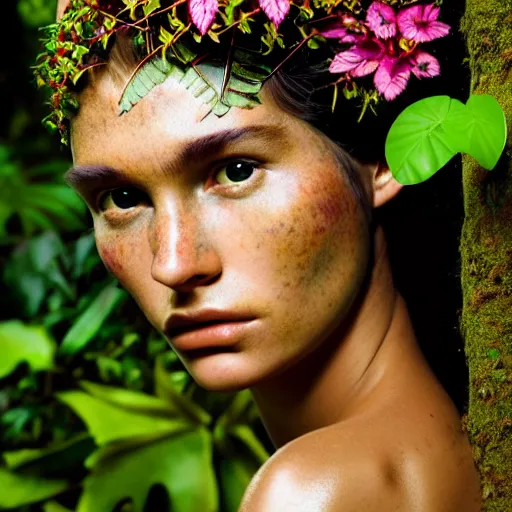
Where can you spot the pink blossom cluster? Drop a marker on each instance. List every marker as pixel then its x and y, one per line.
pixel 387 43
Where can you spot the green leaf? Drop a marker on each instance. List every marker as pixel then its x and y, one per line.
pixel 252 443
pixel 181 464
pixel 151 6
pixel 237 467
pixel 108 423
pixel 54 506
pixel 235 474
pixel 19 342
pixel 236 410
pixel 90 321
pixel 165 390
pixel 53 461
pixel 132 400
pixel 154 72
pixel 481 128
pixel 19 490
pixel 428 133
pixel 203 80
pixel 416 146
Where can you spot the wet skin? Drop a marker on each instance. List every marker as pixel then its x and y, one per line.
pixel 359 420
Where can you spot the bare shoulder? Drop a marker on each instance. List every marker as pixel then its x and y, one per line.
pixel 320 472
pixel 369 466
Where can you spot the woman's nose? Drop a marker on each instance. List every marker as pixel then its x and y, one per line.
pixel 183 258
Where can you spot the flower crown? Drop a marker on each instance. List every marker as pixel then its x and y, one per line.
pixel 224 50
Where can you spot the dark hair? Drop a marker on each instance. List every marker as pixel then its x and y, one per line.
pixel 426 272
pixel 292 90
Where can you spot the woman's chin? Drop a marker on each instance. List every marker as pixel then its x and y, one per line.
pixel 217 370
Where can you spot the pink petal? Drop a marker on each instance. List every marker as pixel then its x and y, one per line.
pixel 430 12
pixel 392 76
pixel 362 58
pixel 418 23
pixel 365 68
pixel 203 13
pixel 276 10
pixel 425 65
pixel 343 34
pixel 344 62
pixel 382 20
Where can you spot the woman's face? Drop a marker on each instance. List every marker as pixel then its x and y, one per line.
pixel 246 213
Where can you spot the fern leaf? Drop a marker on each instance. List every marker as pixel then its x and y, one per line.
pixel 205 81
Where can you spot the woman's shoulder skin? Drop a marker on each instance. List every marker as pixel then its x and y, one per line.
pixel 402 451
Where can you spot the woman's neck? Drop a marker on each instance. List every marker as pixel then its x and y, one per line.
pixel 339 378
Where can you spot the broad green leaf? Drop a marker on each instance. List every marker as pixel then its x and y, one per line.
pixel 416 145
pixel 54 506
pixel 108 423
pixel 235 474
pixel 19 342
pixel 116 448
pixel 428 133
pixel 53 461
pixel 90 321
pixel 236 468
pixel 165 390
pixel 18 490
pixel 181 464
pixel 132 400
pixel 480 129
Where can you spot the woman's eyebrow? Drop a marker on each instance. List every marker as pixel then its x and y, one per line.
pixel 85 177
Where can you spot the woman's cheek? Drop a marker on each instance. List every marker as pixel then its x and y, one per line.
pixel 112 252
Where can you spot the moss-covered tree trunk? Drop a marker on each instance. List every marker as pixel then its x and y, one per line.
pixel 486 251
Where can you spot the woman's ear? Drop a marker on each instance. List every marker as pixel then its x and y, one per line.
pixel 385 187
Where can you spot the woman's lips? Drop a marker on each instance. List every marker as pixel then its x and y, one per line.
pixel 209 334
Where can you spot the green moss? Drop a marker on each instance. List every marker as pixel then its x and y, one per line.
pixel 486 256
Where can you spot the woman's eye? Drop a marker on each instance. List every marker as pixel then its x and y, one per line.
pixel 123 198
pixel 235 172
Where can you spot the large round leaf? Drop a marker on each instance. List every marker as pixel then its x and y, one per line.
pixel 108 423
pixel 480 129
pixel 417 144
pixel 182 464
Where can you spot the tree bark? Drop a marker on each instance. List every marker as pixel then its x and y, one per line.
pixel 486 260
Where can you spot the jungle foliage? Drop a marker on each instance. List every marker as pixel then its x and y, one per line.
pixel 96 411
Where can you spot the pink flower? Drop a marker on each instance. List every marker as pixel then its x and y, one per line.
pixel 392 76
pixel 425 65
pixel 203 13
pixel 382 20
pixel 419 23
pixel 276 10
pixel 360 60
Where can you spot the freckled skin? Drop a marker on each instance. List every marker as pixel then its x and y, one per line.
pixel 331 360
